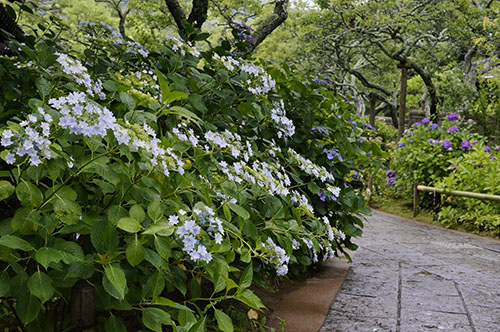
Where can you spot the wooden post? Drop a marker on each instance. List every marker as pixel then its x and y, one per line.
pixel 402 100
pixel 415 200
pixel 373 99
pixel 83 306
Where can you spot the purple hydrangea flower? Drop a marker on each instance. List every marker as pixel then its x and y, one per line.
pixel 322 196
pixel 465 145
pixel 410 133
pixel 416 124
pixel 401 145
pixel 487 149
pixel 498 147
pixel 390 173
pixel 436 142
pixel 475 142
pixel 493 157
pixel 434 126
pixel 430 140
pixel 425 121
pixel 355 176
pixel 470 121
pixel 391 180
pixel 453 166
pixel 446 144
pixel 452 117
pixel 453 129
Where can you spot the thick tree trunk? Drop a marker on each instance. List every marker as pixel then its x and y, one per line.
pixel 402 101
pixel 431 88
pixel 373 99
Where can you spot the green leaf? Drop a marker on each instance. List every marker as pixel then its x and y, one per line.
pixel 245 255
pixel 45 256
pixel 71 252
pixel 161 228
pixel 169 303
pixel 137 212
pixel 246 277
pixel 23 220
pixel 110 85
pixel 4 284
pixel 29 194
pixel 198 326
pixel 115 275
pixel 239 210
pixel 186 318
pixel 173 96
pixel 40 285
pixel 135 252
pixel 114 324
pixel 14 242
pixel 227 212
pixel 127 100
pixel 44 87
pixel 130 225
pixel 154 318
pixel 6 189
pixel 163 84
pixel 224 322
pixel 250 299
pixel 155 211
pixel 154 286
pixel 27 308
pixel 181 111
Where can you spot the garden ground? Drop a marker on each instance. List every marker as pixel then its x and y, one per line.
pixel 411 277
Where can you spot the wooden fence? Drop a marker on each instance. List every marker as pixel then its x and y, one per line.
pixel 437 192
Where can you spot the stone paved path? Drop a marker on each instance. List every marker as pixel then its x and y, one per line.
pixel 412 277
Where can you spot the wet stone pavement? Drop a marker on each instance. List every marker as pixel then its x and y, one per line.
pixel 412 277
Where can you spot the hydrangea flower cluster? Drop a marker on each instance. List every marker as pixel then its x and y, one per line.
pixel 321 130
pixel 283 124
pixel 277 256
pixel 453 129
pixel 33 140
pixel 452 117
pixel 446 144
pixel 309 167
pixel 332 153
pixel 188 231
pixel 230 140
pixel 262 82
pixel 391 176
pixel 465 145
pixel 75 70
pixel 244 32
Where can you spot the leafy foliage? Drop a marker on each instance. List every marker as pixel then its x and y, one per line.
pixel 170 180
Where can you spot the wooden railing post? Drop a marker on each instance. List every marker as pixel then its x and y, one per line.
pixel 415 199
pixel 83 307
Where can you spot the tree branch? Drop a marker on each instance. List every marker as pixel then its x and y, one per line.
pixel 198 14
pixel 270 23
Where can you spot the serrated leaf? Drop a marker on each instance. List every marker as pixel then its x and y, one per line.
pixel 155 211
pixel 246 277
pixel 137 212
pixel 250 299
pixel 29 194
pixel 239 210
pixel 45 256
pixel 23 220
pixel 14 242
pixel 44 87
pixel 154 318
pixel 127 100
pixel 169 303
pixel 4 284
pixel 135 252
pixel 27 308
pixel 224 322
pixel 115 275
pixel 162 229
pixel 6 189
pixel 154 286
pixel 41 286
pixel 115 324
pixel 130 225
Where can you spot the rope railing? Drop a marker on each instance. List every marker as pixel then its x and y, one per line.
pixel 439 191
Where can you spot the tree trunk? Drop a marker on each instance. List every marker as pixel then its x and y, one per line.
pixel 402 101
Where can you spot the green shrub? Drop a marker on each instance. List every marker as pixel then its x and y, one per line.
pixel 168 179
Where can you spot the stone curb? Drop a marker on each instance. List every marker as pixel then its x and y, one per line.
pixel 305 306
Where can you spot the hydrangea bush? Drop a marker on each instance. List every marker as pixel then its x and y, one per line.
pixel 169 179
pixel 449 156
